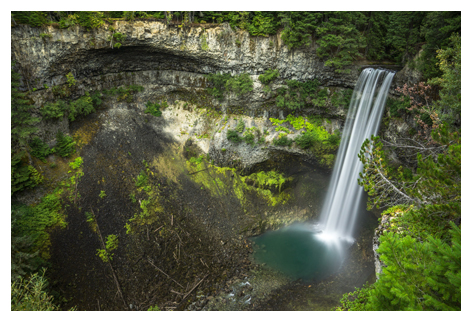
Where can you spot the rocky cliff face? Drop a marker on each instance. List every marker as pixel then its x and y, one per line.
pixel 169 62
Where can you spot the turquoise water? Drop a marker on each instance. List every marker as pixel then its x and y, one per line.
pixel 298 251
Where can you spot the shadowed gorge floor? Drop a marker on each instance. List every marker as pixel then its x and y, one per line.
pixel 194 249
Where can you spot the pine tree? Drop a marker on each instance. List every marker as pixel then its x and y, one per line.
pixel 22 122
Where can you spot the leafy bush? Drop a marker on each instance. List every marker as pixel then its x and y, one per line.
pixel 71 81
pixel 240 126
pixel 297 94
pixel 153 108
pixel 112 242
pixel 54 110
pixel 268 76
pixel 418 276
pixel 306 139
pixel 341 98
pixel 82 106
pixel 398 106
pixel 232 135
pixel 249 138
pixel 282 140
pixel 39 149
pixel 29 294
pixel 64 145
pixel 219 82
pixel 240 84
pixel 21 176
pixel 142 179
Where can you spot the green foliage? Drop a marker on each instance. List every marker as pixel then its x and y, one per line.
pixel 197 160
pixel 112 242
pixel 35 222
pixel 53 110
pixel 249 138
pixel 356 300
pixel 400 106
pixel 76 164
pixel 297 95
pixel 306 139
pixel 271 179
pixel 339 39
pixel 434 189
pixel 90 219
pixel 240 84
pixel 154 308
pixel 282 140
pixel 268 76
pixel 35 176
pixel 403 33
pixel 418 275
pixel 142 179
pixel 102 194
pixel 218 81
pixel 65 145
pixel 29 294
pixel 32 18
pixel 90 19
pixel 240 126
pixel 124 93
pixel 341 98
pixel 449 104
pixel 21 176
pixel 22 121
pixel 233 136
pixel 22 259
pixel 71 81
pixel 153 108
pixel 82 106
pixel 44 35
pixel 39 149
pixel 203 42
pixel 104 255
pixel 437 28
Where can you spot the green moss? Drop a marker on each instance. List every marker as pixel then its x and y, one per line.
pixel 225 181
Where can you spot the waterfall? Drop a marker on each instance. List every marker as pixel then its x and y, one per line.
pixel 340 207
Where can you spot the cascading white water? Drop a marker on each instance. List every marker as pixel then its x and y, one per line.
pixel 340 207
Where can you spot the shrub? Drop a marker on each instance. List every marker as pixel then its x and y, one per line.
pixel 142 179
pixel 240 126
pixel 282 140
pixel 268 76
pixel 218 81
pixel 65 145
pixel 54 110
pixel 71 81
pixel 398 106
pixel 29 294
pixel 306 139
pixel 232 135
pixel 249 138
pixel 297 94
pixel 39 149
pixel 153 108
pixel 341 98
pixel 82 106
pixel 21 177
pixel 112 242
pixel 240 84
